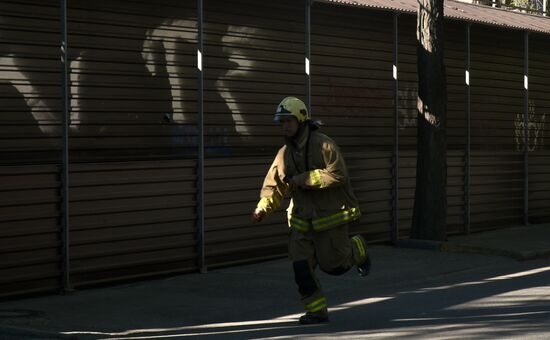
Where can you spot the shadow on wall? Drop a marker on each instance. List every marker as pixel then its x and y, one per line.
pixel 128 94
pixel 17 119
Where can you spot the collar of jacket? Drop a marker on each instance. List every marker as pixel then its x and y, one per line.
pixel 299 141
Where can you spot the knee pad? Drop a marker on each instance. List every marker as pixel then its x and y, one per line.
pixel 302 275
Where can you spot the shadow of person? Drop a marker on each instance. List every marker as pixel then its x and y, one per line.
pixel 22 138
pixel 118 112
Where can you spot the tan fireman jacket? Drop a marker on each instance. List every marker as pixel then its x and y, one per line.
pixel 324 198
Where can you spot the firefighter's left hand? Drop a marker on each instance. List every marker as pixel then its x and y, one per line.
pixel 258 215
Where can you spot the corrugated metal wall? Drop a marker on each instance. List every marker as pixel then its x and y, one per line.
pixel 352 93
pixel 133 79
pixel 539 129
pixel 132 219
pixel 408 92
pixel 253 57
pixel 133 142
pixel 30 130
pixel 497 102
pixel 29 229
pixel 231 189
pixel 30 85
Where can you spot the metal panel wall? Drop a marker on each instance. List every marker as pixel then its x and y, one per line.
pixel 30 131
pixel 253 57
pixel 539 129
pixel 371 177
pixel 29 229
pixel 351 70
pixel 231 192
pixel 408 94
pixel 497 105
pixel 455 63
pixel 30 82
pixel 132 219
pixel 352 94
pixel 133 79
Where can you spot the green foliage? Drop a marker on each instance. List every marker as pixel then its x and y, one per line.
pixel 522 4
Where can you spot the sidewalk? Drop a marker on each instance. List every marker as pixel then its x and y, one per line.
pixel 520 242
pixel 260 300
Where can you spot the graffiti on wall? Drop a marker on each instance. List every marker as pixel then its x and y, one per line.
pixel 340 97
pixel 535 130
pixel 407 107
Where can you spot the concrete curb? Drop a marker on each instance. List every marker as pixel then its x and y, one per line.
pixel 451 247
pixel 29 333
pixel 463 248
pixel 419 244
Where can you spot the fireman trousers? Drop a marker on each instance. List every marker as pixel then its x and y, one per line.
pixel 332 250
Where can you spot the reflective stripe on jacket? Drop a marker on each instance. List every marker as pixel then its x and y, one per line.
pixel 324 223
pixel 324 198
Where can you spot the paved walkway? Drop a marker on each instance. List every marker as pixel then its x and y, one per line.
pixel 260 300
pixel 521 243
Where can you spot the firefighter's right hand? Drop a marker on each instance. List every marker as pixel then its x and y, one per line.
pixel 258 215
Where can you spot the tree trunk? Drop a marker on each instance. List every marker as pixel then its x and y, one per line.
pixel 430 203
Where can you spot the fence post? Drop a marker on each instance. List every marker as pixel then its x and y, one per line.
pixel 200 141
pixel 67 286
pixel 308 54
pixel 467 173
pixel 526 129
pixel 395 175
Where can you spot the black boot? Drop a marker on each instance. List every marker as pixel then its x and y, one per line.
pixel 364 268
pixel 313 318
pixel 361 247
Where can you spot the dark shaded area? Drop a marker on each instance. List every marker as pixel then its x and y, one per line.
pixel 430 204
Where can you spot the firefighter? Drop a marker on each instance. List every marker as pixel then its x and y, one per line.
pixel 311 169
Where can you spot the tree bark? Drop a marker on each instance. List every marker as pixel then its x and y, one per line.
pixel 430 203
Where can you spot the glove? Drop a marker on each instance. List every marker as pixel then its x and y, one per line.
pixel 258 215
